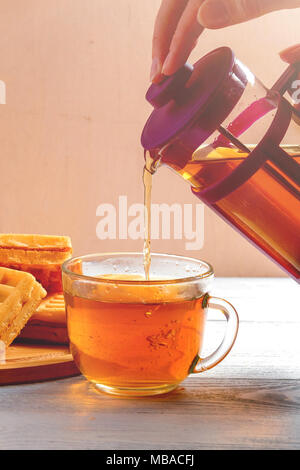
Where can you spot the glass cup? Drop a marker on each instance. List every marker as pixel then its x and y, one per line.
pixel 133 337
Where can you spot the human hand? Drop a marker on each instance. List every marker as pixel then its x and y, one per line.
pixel 180 23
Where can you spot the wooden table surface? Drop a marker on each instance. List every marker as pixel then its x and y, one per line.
pixel 250 401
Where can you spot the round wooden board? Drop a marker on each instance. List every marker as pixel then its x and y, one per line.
pixel 26 363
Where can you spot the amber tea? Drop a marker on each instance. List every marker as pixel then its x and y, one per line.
pixel 132 336
pixel 133 345
pixel 265 208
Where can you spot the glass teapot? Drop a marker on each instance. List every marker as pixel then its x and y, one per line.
pixel 203 118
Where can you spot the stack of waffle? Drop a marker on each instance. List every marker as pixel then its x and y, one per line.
pixel 33 261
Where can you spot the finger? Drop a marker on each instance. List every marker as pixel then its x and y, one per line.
pixel 291 55
pixel 165 25
pixel 215 14
pixel 185 38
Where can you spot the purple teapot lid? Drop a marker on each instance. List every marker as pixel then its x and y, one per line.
pixel 201 96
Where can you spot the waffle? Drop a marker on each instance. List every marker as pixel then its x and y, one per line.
pixel 39 255
pixel 48 323
pixel 20 296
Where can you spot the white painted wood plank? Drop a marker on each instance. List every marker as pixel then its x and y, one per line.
pixel 261 299
pixel 262 350
pixel 221 414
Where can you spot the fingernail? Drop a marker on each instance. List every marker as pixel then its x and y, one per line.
pixel 214 14
pixel 166 64
pixel 155 69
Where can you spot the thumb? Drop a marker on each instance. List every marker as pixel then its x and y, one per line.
pixel 291 55
pixel 214 14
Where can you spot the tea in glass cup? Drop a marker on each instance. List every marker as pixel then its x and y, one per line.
pixel 135 337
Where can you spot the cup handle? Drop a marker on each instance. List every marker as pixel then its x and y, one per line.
pixel 202 364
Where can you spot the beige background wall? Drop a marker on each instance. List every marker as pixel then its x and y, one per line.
pixel 76 73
